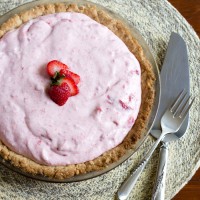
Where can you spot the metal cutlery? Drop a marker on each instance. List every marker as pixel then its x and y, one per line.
pixel 171 121
pixel 174 77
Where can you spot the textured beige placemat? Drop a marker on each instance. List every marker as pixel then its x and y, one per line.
pixel 155 19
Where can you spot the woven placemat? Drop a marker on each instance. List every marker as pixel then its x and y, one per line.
pixel 155 20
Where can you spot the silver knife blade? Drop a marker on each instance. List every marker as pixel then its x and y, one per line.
pixel 174 78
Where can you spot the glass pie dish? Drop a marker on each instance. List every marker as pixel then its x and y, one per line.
pixel 143 135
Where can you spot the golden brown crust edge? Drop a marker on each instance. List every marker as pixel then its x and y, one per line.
pixel 148 94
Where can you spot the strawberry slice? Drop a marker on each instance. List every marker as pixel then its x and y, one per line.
pixel 67 73
pixel 72 85
pixel 59 93
pixel 63 82
pixel 55 66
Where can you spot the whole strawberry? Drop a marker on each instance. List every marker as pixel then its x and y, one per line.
pixel 63 82
pixel 59 93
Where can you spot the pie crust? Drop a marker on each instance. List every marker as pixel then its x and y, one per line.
pixel 148 94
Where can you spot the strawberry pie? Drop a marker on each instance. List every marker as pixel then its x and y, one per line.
pixel 73 82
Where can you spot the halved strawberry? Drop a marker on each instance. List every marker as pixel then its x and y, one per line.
pixel 72 85
pixel 63 82
pixel 59 93
pixel 67 73
pixel 55 66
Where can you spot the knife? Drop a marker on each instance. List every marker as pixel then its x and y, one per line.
pixel 174 78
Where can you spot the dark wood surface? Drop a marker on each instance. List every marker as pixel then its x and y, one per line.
pixel 190 9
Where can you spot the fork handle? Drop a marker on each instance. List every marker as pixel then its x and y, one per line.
pixel 159 187
pixel 130 182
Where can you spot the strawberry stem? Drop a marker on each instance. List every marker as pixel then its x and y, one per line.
pixel 57 79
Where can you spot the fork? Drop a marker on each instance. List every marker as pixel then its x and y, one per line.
pixel 171 121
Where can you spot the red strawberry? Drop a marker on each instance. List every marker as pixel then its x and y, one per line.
pixel 67 73
pixel 55 66
pixel 59 93
pixel 72 85
pixel 64 82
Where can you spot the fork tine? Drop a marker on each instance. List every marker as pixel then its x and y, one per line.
pixel 178 108
pixel 184 107
pixel 172 107
pixel 183 115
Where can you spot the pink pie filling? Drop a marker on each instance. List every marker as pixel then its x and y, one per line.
pixel 95 120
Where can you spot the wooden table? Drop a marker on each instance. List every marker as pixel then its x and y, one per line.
pixel 190 9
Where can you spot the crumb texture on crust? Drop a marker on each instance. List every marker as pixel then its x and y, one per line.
pixel 148 94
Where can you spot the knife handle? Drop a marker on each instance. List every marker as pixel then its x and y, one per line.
pixel 131 180
pixel 159 187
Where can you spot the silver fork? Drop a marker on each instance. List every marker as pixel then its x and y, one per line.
pixel 171 121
